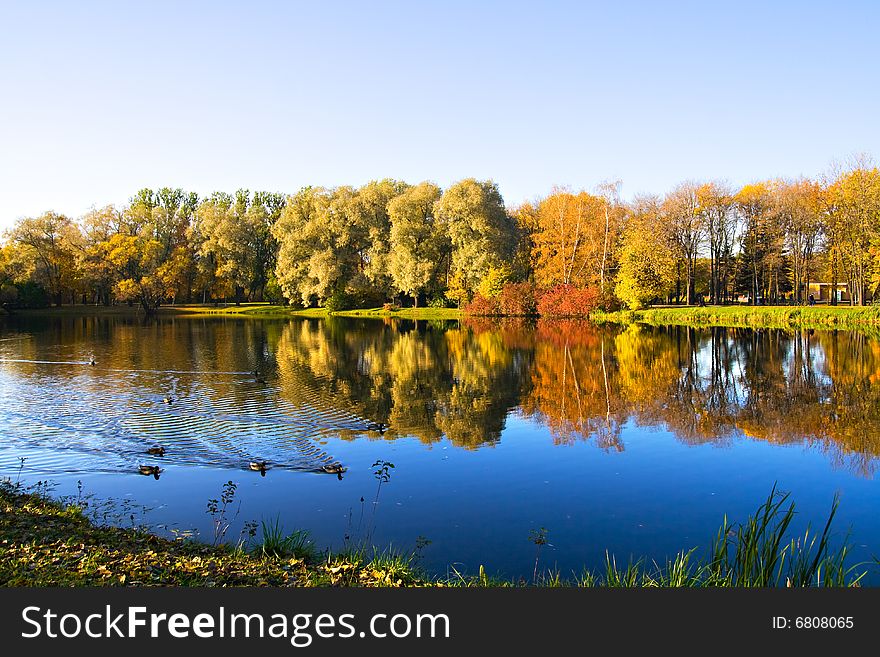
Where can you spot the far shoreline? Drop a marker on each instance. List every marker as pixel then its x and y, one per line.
pixel 741 316
pixel 727 316
pixel 243 311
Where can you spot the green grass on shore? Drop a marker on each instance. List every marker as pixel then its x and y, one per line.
pixel 271 311
pixel 818 317
pixel 46 543
pixel 245 310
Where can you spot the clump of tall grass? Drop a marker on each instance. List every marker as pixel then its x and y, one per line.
pixel 757 552
pixel 481 580
pixel 360 566
pixel 275 542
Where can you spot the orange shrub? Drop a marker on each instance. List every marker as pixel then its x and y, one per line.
pixel 517 299
pixel 568 301
pixel 483 306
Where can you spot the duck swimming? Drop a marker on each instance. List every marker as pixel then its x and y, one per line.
pixel 334 468
pixel 92 361
pixel 156 451
pixel 259 466
pixel 167 400
pixel 150 470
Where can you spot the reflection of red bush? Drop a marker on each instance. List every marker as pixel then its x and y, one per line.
pixel 567 332
pixel 568 301
pixel 481 324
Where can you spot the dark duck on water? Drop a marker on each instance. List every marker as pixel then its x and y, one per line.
pixel 259 466
pixel 148 470
pixel 334 468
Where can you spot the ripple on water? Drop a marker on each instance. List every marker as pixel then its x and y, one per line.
pixel 68 416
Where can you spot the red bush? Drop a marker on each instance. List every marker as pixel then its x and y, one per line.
pixel 517 299
pixel 483 306
pixel 568 301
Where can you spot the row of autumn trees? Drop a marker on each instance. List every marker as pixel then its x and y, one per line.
pixel 766 241
pixel 391 242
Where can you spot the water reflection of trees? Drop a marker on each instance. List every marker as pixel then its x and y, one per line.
pixel 572 383
pixel 420 379
pixel 585 383
pixel 461 380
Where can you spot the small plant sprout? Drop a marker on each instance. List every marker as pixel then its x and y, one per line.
pixel 21 460
pixel 382 473
pixel 421 543
pixel 219 511
pixel 246 535
pixel 539 538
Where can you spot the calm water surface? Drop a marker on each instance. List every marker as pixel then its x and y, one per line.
pixel 633 440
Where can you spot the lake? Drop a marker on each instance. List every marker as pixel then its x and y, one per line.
pixel 634 440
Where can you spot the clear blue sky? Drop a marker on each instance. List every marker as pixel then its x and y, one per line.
pixel 100 99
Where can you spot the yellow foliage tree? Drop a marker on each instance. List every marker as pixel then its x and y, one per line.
pixel 647 260
pixel 574 239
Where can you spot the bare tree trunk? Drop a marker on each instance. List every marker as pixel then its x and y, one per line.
pixel 833 277
pixel 678 282
pixel 690 282
pixel 754 284
pixel 604 253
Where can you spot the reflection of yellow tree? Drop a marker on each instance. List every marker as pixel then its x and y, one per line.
pixel 173 356
pixel 326 365
pixel 648 367
pixel 484 386
pixel 851 397
pixel 422 380
pixel 574 387
pixel 585 382
pixel 414 372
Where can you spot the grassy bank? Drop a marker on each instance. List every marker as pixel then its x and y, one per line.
pixel 262 310
pixel 817 317
pixel 46 543
pixel 245 310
